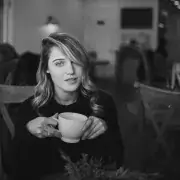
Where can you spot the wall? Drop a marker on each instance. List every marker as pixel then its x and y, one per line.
pixel 29 15
pixel 102 38
pixel 173 37
pixel 105 39
pixel 80 19
pixel 152 33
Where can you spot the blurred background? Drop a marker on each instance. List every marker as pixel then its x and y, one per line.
pixel 128 41
pixel 101 25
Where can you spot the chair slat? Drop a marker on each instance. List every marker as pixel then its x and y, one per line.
pixel 7 119
pixel 15 94
pixel 12 94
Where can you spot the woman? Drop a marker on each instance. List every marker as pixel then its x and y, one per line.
pixel 63 86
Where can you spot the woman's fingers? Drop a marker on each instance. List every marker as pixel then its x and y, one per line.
pixel 96 133
pixel 87 124
pixel 57 134
pixel 97 125
pixel 49 125
pixel 51 121
pixel 55 116
pixel 44 127
pixel 87 128
pixel 47 131
pixel 91 129
pixel 95 129
pixel 100 128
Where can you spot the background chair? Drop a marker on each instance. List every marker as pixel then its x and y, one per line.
pixel 8 95
pixel 161 109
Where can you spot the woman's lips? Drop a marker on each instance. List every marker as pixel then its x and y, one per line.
pixel 71 80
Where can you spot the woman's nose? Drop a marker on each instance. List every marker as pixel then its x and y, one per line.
pixel 70 68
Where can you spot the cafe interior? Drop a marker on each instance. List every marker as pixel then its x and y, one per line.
pixel 134 46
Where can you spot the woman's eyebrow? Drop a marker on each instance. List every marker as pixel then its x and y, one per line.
pixel 58 59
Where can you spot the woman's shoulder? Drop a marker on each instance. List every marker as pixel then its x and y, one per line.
pixel 22 113
pixel 26 108
pixel 28 102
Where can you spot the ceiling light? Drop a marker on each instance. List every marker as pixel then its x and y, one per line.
pixel 176 3
pixel 161 25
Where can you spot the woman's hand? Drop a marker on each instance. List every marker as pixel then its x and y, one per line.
pixel 93 128
pixel 43 127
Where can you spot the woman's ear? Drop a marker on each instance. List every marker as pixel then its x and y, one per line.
pixel 47 71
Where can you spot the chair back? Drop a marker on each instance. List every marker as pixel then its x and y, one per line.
pixel 158 101
pixel 9 94
pixel 12 94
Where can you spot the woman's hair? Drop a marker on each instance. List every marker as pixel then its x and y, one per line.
pixel 132 52
pixel 71 48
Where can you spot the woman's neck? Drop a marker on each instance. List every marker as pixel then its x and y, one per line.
pixel 66 98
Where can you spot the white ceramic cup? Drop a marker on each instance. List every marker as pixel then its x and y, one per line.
pixel 70 125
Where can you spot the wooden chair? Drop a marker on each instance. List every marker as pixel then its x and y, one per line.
pixel 9 94
pixel 160 107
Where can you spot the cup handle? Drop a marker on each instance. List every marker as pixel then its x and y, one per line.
pixel 57 122
pixel 58 132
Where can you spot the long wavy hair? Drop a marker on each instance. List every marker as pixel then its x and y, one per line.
pixel 71 47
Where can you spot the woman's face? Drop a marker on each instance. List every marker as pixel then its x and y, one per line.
pixel 66 75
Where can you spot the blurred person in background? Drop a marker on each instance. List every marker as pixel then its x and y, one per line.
pixel 8 60
pixel 131 66
pixel 25 72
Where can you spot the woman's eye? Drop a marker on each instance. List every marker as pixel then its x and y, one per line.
pixel 60 63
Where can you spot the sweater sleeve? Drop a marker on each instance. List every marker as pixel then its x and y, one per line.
pixel 27 151
pixel 109 144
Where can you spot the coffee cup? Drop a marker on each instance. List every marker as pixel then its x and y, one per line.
pixel 70 125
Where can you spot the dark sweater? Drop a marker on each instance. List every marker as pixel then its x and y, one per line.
pixel 33 157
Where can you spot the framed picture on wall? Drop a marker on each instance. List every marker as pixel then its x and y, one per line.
pixel 136 18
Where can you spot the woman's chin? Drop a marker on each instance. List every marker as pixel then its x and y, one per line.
pixel 71 88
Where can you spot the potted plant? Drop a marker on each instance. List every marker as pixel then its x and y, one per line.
pixel 91 169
